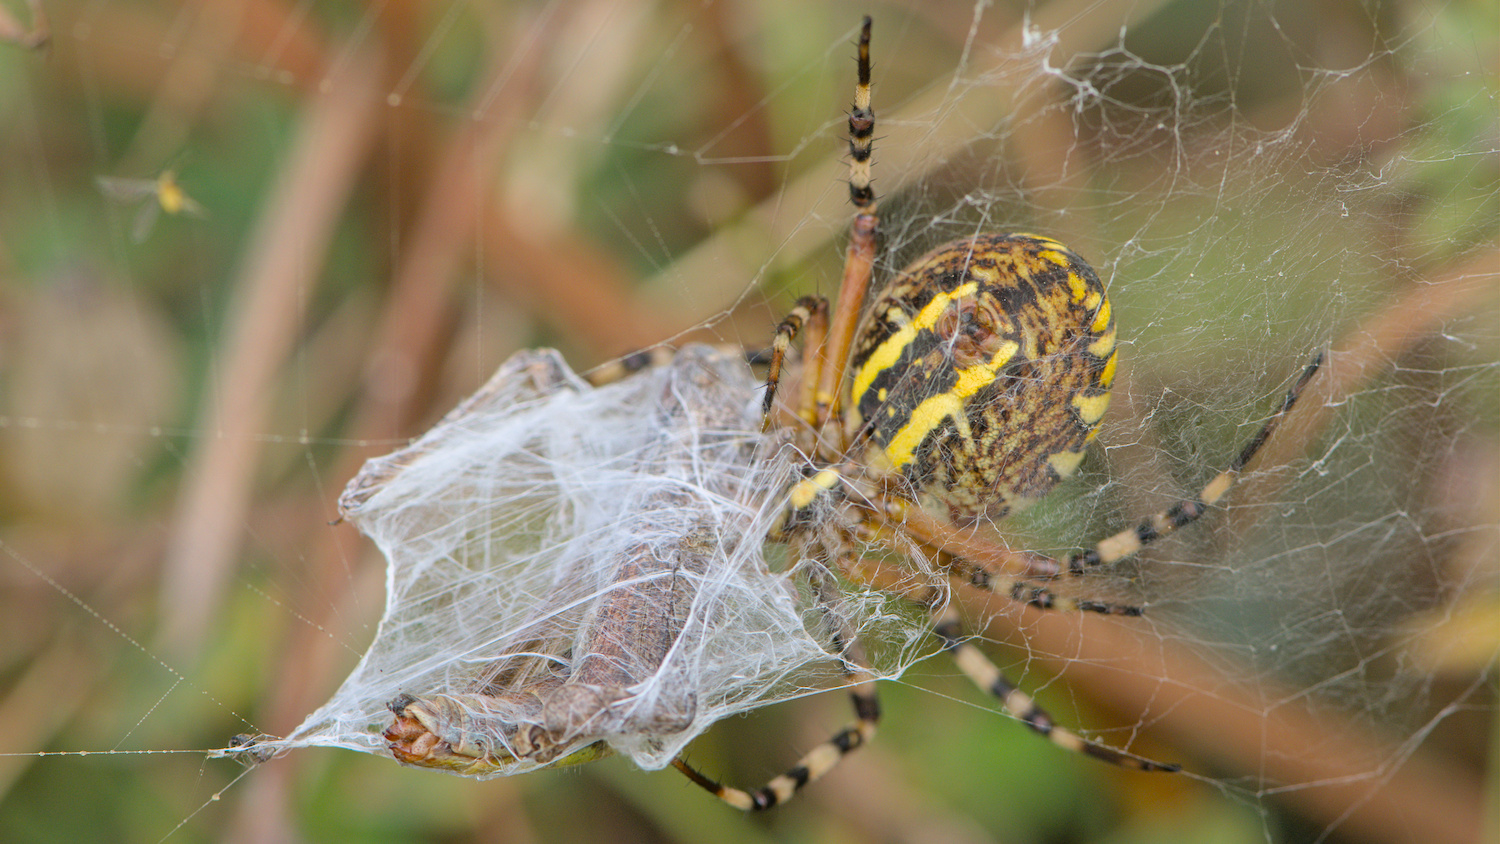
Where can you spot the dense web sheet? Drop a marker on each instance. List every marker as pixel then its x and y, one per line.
pixel 399 197
pixel 588 562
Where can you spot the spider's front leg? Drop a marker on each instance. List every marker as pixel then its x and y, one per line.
pixel 810 318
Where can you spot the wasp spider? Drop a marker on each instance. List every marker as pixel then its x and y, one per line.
pixel 969 387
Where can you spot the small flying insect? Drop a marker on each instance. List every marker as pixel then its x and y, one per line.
pixel 162 194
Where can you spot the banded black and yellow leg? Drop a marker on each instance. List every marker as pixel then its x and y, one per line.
pixel 1185 512
pixel 821 759
pixel 859 256
pixel 643 359
pixel 1024 589
pixel 810 312
pixel 1031 593
pixel 984 674
pixel 617 370
pixel 862 130
pixel 896 514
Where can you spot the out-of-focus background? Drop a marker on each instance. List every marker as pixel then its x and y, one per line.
pixel 247 244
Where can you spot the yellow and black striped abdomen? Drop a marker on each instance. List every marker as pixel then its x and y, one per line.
pixel 981 372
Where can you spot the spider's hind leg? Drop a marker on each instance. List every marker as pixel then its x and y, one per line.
pixel 1030 593
pixel 988 677
pixel 821 759
pixel 1129 542
pixel 817 762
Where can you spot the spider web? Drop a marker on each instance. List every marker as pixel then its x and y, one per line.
pixel 400 197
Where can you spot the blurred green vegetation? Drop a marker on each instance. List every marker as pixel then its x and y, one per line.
pixel 180 414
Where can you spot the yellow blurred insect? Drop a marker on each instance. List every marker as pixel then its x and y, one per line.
pixel 163 194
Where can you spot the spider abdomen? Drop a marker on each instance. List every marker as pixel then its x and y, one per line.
pixel 982 370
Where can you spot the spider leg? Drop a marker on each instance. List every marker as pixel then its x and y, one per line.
pixel 862 130
pixel 818 761
pixel 821 759
pixel 643 359
pixel 1032 594
pixel 1185 512
pixel 941 536
pixel 859 259
pixel 811 312
pixel 983 577
pixel 630 364
pixel 988 677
